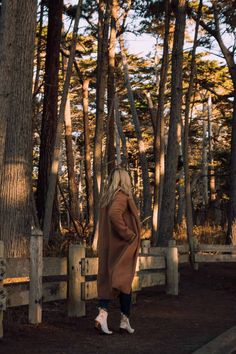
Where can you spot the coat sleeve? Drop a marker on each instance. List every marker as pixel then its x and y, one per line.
pixel 115 213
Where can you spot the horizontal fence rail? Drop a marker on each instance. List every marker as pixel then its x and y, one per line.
pixel 205 253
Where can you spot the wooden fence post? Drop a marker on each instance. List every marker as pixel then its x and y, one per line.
pixel 2 292
pixel 36 273
pixel 76 307
pixel 172 269
pixel 145 246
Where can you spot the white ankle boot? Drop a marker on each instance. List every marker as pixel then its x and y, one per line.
pixel 101 321
pixel 125 325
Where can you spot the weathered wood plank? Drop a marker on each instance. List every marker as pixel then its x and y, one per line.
pixel 51 292
pixel 152 279
pixel 16 296
pixel 36 276
pixel 208 258
pixel 54 291
pixel 215 248
pixel 54 266
pixel 19 267
pixel 89 290
pixel 145 246
pixel 151 262
pixel 183 258
pixel 163 250
pixel 76 306
pixel 172 269
pixel 90 266
pixel 183 248
pixel 160 251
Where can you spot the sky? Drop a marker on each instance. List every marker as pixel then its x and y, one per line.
pixel 143 44
pixel 140 45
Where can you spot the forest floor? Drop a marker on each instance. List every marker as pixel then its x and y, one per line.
pixel 205 308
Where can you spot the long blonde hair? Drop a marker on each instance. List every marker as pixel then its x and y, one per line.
pixel 119 180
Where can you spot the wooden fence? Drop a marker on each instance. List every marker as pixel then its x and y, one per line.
pixel 204 253
pixel 42 279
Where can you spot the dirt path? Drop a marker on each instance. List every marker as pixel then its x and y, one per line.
pixel 205 308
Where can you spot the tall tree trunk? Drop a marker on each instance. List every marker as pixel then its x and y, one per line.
pixel 231 232
pixel 211 160
pixel 18 40
pixel 187 184
pixel 39 50
pixel 7 37
pixel 118 153
pixel 88 169
pixel 57 145
pixel 159 144
pixel 49 118
pixel 152 110
pixel 124 157
pixel 168 203
pixel 204 157
pixel 141 147
pixel 72 185
pixel 111 87
pixel 181 199
pixel 103 28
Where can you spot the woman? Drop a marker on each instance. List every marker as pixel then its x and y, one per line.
pixel 118 247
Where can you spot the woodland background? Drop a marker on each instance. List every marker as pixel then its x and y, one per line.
pixel 74 103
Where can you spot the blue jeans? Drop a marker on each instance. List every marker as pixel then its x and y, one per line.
pixel 125 303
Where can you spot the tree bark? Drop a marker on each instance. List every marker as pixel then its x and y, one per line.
pixel 39 49
pixel 88 169
pixel 111 87
pixel 57 144
pixel 103 29
pixel 7 37
pixel 187 184
pixel 204 157
pixel 18 22
pixel 231 232
pixel 152 110
pixel 118 151
pixel 159 131
pixel 49 118
pixel 124 157
pixel 168 203
pixel 211 159
pixel 72 184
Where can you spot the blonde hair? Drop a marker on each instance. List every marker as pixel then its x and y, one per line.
pixel 119 180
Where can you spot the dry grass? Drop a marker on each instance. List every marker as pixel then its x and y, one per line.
pixel 206 233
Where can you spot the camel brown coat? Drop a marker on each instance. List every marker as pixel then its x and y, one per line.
pixel 117 257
